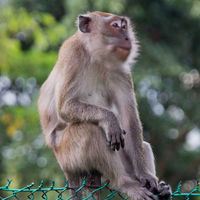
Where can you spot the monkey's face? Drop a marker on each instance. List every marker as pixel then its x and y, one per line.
pixel 107 34
pixel 116 36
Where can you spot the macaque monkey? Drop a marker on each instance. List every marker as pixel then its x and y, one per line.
pixel 88 109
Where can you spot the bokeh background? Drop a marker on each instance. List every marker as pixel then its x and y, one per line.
pixel 166 77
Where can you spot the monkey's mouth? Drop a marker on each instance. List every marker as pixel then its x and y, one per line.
pixel 126 47
pixel 124 51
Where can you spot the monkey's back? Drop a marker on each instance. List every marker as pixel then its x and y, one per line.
pixel 47 108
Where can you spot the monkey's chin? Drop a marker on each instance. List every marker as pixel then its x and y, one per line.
pixel 122 53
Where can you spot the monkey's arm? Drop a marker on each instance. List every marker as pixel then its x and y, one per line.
pixel 129 116
pixel 71 109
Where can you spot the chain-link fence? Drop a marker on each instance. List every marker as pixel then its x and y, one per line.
pixel 58 193
pixel 63 193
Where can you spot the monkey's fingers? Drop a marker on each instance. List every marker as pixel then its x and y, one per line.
pixel 144 183
pixel 112 142
pixel 124 132
pixel 150 183
pixel 145 194
pixel 118 136
pixel 153 184
pixel 113 146
pixel 117 146
pixel 164 191
pixel 116 142
pixel 122 142
pixel 109 138
pixel 151 195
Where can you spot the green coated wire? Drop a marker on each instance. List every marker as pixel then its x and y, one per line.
pixel 100 188
pixel 61 190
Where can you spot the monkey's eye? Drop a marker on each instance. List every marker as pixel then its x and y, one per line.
pixel 124 25
pixel 115 25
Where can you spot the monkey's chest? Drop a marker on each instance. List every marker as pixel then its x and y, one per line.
pixel 102 99
pixel 96 93
pixel 98 97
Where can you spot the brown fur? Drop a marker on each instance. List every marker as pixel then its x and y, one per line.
pixel 104 14
pixel 87 100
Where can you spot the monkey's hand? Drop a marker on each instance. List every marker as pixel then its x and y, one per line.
pixel 164 191
pixel 149 181
pixel 142 193
pixel 114 133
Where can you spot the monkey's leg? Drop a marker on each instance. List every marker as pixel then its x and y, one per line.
pixel 150 161
pixel 83 148
pixel 163 190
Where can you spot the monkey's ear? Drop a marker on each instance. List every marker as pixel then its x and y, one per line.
pixel 84 23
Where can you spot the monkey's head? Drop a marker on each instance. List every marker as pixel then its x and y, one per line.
pixel 107 36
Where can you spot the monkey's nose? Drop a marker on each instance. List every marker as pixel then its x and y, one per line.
pixel 127 43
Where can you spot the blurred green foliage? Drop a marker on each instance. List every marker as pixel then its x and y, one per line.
pixel 28 42
pixel 166 77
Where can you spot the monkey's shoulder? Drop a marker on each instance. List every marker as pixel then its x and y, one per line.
pixel 72 50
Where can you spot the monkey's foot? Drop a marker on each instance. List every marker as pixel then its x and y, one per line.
pixel 164 191
pixel 142 194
